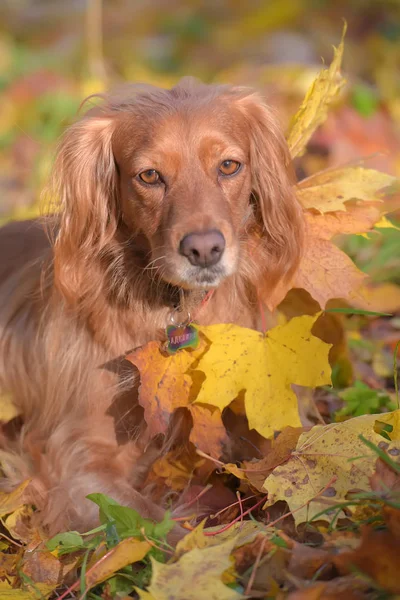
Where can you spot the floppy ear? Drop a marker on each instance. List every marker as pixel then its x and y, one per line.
pixel 84 180
pixel 278 213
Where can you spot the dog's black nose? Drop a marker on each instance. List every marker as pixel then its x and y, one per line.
pixel 203 249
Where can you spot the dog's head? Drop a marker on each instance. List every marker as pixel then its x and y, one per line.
pixel 201 173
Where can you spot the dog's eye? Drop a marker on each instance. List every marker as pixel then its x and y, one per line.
pixel 229 167
pixel 150 176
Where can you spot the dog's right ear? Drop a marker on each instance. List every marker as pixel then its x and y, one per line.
pixel 85 183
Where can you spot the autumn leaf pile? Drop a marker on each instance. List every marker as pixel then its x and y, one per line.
pixel 299 510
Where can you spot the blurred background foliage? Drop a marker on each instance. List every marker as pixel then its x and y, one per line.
pixel 54 53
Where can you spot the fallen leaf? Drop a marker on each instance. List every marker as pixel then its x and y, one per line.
pixel 166 383
pixel 175 472
pixel 265 366
pixel 328 462
pixel 8 410
pixel 341 588
pixel 383 297
pixel 41 566
pixel 392 520
pixel 35 591
pixel 358 218
pixel 280 452
pixel 325 271
pixel 8 564
pixel 328 191
pixel 128 551
pixel 377 556
pixel 384 223
pixel 208 431
pixel 9 502
pixel 239 534
pixel 255 471
pixel 314 109
pixel 306 561
pixel 247 554
pixel 18 523
pixel 195 576
pixel 384 478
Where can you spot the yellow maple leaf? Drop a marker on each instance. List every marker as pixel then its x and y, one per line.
pixel 329 190
pixel 265 366
pixel 314 109
pixel 328 462
pixel 195 576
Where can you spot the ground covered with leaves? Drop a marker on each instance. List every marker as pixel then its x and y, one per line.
pixel 308 504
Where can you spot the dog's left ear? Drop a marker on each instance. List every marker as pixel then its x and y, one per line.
pixel 277 209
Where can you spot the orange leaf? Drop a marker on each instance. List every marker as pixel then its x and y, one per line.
pixel 377 556
pixel 163 383
pixel 326 272
pixel 125 553
pixel 165 386
pixel 208 432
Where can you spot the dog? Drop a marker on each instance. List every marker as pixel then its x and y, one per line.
pixel 162 196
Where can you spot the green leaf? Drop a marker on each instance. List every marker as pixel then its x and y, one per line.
pixel 103 502
pixel 364 100
pixel 67 542
pixel 127 521
pixel 361 399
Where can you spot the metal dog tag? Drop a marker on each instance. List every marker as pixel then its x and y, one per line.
pixel 181 336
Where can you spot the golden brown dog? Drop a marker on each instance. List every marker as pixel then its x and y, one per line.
pixel 163 194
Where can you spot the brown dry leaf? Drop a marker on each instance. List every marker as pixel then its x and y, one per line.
pixel 245 555
pixel 314 109
pixel 392 520
pixel 125 553
pixel 378 556
pixel 208 431
pixel 8 564
pixel 42 566
pixel 305 561
pixel 256 471
pixel 328 191
pixel 384 477
pixel 341 588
